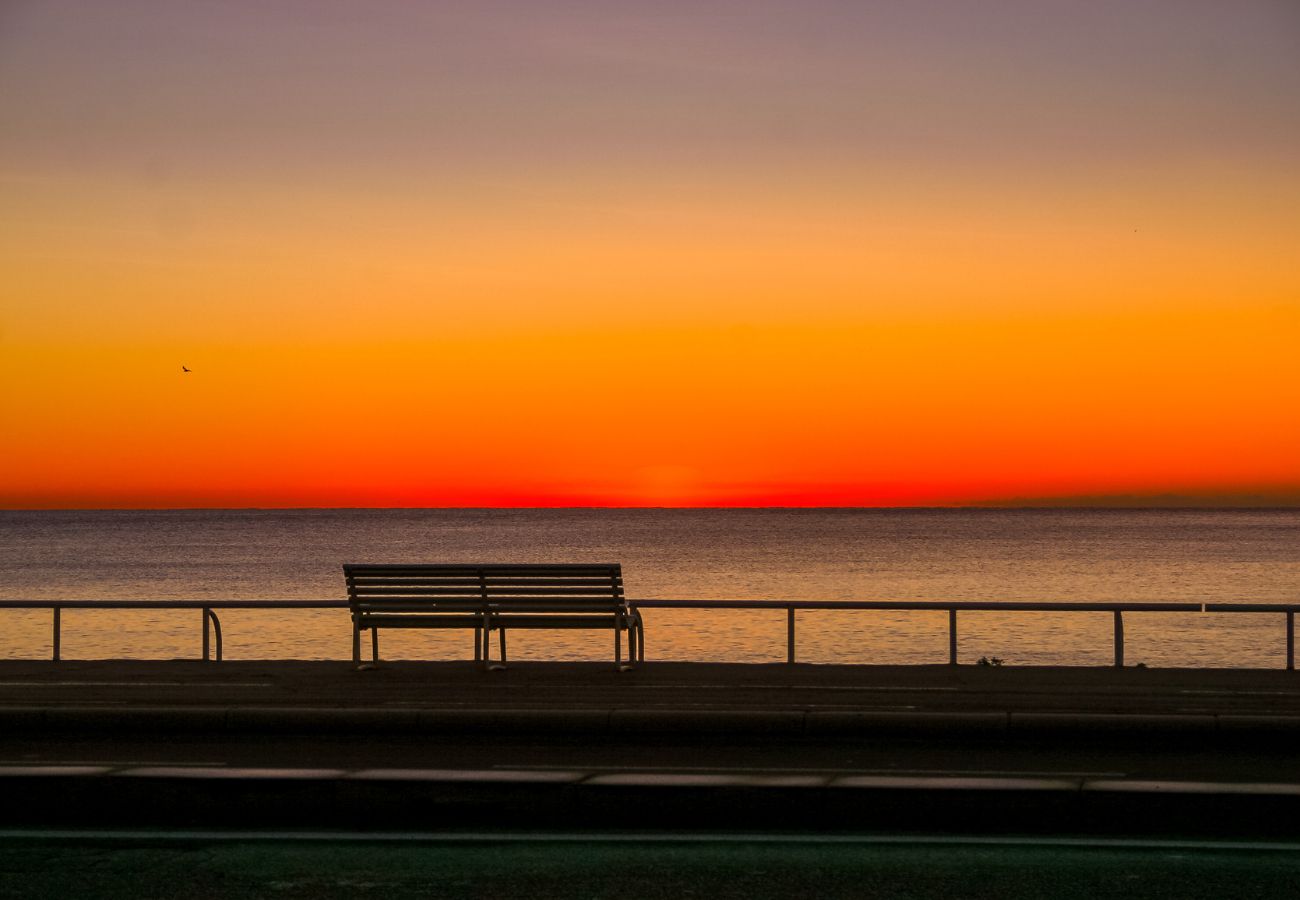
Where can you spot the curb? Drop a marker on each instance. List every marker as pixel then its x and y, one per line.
pixel 245 720
pixel 169 797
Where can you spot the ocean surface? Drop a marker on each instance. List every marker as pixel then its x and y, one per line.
pixel 1056 555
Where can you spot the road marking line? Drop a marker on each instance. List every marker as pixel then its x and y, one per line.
pixel 835 771
pixel 223 771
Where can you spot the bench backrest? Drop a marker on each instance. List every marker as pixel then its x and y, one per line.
pixel 505 587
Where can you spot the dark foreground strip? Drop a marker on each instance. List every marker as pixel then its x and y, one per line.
pixel 735 867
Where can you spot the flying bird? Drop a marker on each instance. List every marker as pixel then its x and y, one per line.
pixel 184 369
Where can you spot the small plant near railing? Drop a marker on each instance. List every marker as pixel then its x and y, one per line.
pixel 989 661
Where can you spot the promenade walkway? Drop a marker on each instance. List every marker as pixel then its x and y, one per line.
pixel 441 745
pixel 776 696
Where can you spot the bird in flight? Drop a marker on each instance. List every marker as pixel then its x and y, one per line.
pixel 184 369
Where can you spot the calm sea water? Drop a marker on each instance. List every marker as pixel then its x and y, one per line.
pixel 1065 555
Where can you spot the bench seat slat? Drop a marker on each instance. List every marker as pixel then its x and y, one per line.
pixel 391 620
pixel 492 590
pixel 468 583
pixel 561 569
pixel 400 605
pixel 524 620
pixel 502 605
pixel 498 603
pixel 477 605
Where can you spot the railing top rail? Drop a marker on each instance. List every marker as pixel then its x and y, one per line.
pixel 173 604
pixel 1253 607
pixel 662 603
pixel 940 605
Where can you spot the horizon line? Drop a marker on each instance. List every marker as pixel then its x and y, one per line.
pixel 991 507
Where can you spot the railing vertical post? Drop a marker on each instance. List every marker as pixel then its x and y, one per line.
pixel 1290 641
pixel 789 634
pixel 952 637
pixel 58 632
pixel 1119 639
pixel 207 653
pixel 216 630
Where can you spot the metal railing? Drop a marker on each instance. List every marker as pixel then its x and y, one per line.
pixel 211 624
pixel 1116 609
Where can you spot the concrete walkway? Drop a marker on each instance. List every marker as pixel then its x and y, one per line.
pixel 707 698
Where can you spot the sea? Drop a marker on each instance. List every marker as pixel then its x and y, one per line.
pixel 1064 555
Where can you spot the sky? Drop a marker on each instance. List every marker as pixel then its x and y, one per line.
pixel 542 253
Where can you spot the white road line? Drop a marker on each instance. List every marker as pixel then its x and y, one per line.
pixel 224 771
pixel 890 779
pixel 801 770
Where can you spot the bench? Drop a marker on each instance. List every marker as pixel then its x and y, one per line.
pixel 491 597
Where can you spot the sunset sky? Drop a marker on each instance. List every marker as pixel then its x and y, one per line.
pixel 662 253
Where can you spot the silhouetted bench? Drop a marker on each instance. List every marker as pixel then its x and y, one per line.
pixel 484 598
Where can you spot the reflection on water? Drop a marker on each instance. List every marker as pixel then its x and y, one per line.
pixel 1175 555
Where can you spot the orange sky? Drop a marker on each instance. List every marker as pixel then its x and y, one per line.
pixel 691 259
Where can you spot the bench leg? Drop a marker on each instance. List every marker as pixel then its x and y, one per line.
pixel 478 644
pixel 374 645
pixel 488 665
pixel 356 647
pixel 619 628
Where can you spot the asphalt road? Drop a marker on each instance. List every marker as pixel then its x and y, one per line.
pixel 243 867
